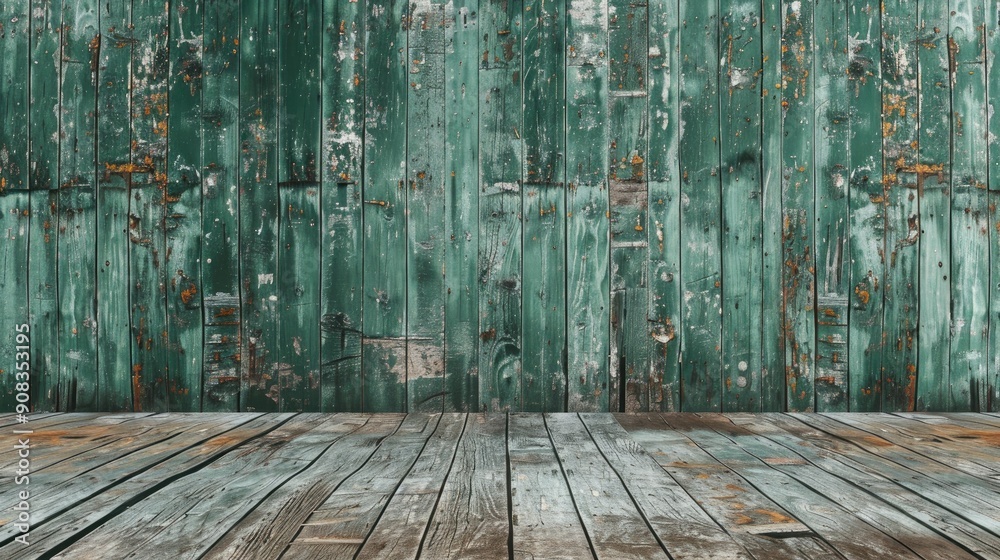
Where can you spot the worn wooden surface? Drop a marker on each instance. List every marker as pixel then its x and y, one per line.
pixel 560 485
pixel 488 205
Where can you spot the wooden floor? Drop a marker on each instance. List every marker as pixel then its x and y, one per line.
pixel 523 486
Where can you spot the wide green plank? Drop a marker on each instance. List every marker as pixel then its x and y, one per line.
pixel 461 303
pixel 384 297
pixel 867 224
pixel 967 388
pixel 500 120
pixel 627 152
pixel 298 281
pixel 899 132
pixel 147 206
pixel 343 118
pixel 114 348
pixel 832 168
pixel 797 202
pixel 993 159
pixel 933 109
pixel 543 305
pixel 183 207
pixel 664 204
pixel 258 201
pixel 742 215
pixel 220 207
pixel 425 225
pixel 43 180
pixel 700 227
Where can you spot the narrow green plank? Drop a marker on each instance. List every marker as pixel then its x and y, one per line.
pixel 701 266
pixel 664 203
pixel 185 289
pixel 832 153
pixel 147 249
pixel 425 224
pixel 298 281
pixel 500 160
pixel 461 304
pixel 969 221
pixel 899 130
pixel 772 372
pixel 43 180
pixel 341 250
pixel 797 196
pixel 742 225
pixel 114 348
pixel 258 205
pixel 993 158
pixel 588 304
pixel 220 207
pixel 15 55
pixel 384 296
pixel 935 195
pixel 77 206
pixel 628 27
pixel 867 223
pixel 543 303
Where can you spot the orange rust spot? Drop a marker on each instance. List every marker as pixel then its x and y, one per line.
pixel 226 312
pixel 743 519
pixel 775 516
pixel 188 294
pixel 487 336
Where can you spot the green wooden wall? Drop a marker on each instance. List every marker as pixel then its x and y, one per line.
pixel 277 205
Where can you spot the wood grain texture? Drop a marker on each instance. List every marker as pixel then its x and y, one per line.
pixel 992 33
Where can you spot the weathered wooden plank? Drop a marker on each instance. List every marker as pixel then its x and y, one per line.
pixel 341 167
pixel 543 304
pixel 500 166
pixel 992 33
pixel 114 98
pixel 664 204
pixel 258 199
pixel 967 383
pixel 298 282
pixel 425 223
pixel 684 529
pixel 741 227
pixel 220 261
pixel 267 530
pixel 385 192
pixel 461 302
pixel 867 220
pixel 797 202
pixel 471 519
pixel 15 40
pixel 628 28
pixel 43 209
pixel 832 174
pixel 544 519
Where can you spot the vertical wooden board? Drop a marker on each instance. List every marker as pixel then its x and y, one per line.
pixel 664 202
pixel 797 196
pixel 543 303
pixel 934 194
pixel 340 246
pixel 220 222
pixel 628 26
pixel 701 266
pixel 832 164
pixel 114 348
pixel 588 305
pixel 147 206
pixel 183 207
pixel 384 296
pixel 500 157
pixel 742 225
pixel 425 223
pixel 461 304
pixel 993 158
pixel 967 387
pixel 77 222
pixel 867 223
pixel 772 373
pixel 43 180
pixel 258 205
pixel 14 251
pixel 298 281
pixel 16 49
